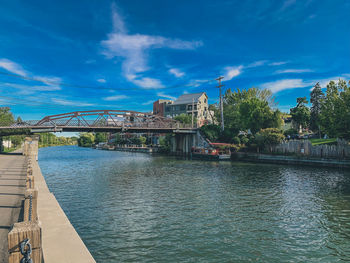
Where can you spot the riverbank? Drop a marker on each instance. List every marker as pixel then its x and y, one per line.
pixel 289 160
pixel 137 207
pixel 132 148
pixel 250 157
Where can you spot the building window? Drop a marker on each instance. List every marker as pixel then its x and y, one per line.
pixel 183 107
pixel 205 100
pixel 189 107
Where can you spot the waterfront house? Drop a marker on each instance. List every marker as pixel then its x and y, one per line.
pixel 184 104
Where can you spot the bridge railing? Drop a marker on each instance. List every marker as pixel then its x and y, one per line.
pixel 100 124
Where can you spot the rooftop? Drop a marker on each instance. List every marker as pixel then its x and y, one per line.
pixel 187 98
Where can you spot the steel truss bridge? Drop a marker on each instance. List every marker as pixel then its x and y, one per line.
pixel 103 121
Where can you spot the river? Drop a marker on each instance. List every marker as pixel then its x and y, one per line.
pixel 134 207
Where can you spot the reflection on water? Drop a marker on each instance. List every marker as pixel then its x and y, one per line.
pixel 131 207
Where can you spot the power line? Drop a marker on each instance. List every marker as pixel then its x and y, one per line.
pixel 194 85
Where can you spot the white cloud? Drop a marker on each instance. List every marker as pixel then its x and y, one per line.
pixel 145 82
pixel 324 82
pixel 30 89
pixel 278 63
pixel 52 83
pixel 148 102
pixel 70 103
pixel 6 102
pixel 197 82
pixel 115 98
pixel 231 72
pixel 12 67
pixel 176 72
pixel 283 71
pixel 284 84
pixel 102 80
pixel 256 64
pixel 287 4
pixel 161 94
pixel 133 48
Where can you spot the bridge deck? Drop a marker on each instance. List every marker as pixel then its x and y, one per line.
pixel 143 129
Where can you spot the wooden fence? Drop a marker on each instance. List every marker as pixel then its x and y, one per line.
pixel 341 150
pixel 25 238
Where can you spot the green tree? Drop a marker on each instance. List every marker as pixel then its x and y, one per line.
pixel 268 138
pixel 165 143
pixel 184 118
pixel 100 137
pixel 211 131
pixel 6 117
pixel 330 109
pixel 316 98
pixel 142 140
pixel 250 109
pixel 86 139
pixel 301 113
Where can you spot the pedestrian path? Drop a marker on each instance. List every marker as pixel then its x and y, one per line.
pixel 12 187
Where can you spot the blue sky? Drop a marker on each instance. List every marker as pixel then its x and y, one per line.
pixel 126 54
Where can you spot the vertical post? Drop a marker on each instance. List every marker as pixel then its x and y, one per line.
pixel 25 236
pixel 221 102
pixel 192 111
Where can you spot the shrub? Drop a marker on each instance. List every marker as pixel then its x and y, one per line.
pixel 236 140
pixel 211 131
pixel 290 131
pixel 268 137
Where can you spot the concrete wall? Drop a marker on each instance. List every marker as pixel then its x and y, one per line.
pixel 60 241
pixel 294 160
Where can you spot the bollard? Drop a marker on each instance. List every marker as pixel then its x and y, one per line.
pixel 29 170
pixel 25 236
pixel 30 182
pixel 30 212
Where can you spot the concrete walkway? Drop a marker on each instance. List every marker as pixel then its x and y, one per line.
pixel 12 187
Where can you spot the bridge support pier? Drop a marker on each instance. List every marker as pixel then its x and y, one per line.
pixel 182 143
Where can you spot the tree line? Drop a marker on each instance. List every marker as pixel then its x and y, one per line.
pixel 329 113
pixel 252 118
pixel 46 139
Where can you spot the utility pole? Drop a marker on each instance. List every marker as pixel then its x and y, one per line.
pixel 221 102
pixel 192 110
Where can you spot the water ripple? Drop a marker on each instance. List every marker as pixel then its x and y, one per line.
pixel 131 207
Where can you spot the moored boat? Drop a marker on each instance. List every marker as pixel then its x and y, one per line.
pixel 216 151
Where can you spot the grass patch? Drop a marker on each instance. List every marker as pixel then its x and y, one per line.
pixel 8 150
pixel 323 141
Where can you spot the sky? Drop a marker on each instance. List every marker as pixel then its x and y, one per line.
pixel 63 56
